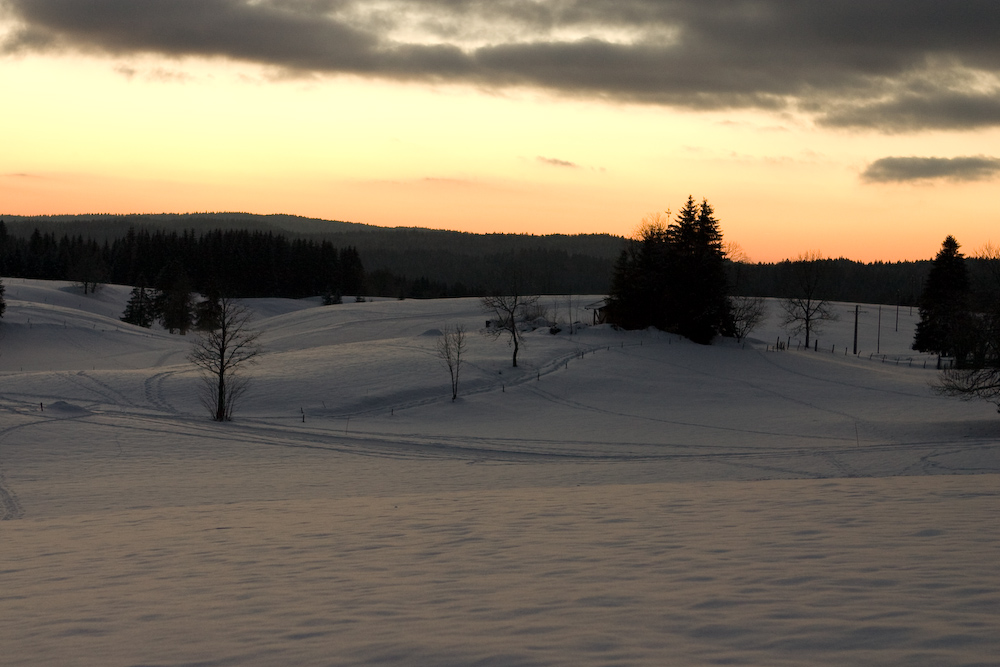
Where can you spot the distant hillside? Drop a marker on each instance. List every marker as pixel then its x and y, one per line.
pixel 442 262
pixel 102 227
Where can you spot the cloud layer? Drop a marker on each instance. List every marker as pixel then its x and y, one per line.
pixel 902 169
pixel 894 65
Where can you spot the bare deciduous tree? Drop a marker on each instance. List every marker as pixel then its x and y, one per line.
pixel 450 347
pixel 506 309
pixel 806 309
pixel 222 354
pixel 747 312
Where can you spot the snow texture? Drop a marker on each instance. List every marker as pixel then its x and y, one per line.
pixel 621 498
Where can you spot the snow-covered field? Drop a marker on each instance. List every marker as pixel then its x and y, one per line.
pixel 622 498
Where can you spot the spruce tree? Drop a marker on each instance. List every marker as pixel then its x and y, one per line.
pixel 174 304
pixel 140 309
pixel 673 277
pixel 699 274
pixel 944 305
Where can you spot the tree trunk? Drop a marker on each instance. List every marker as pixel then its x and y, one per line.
pixel 220 405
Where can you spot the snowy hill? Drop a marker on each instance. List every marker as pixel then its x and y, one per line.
pixel 620 498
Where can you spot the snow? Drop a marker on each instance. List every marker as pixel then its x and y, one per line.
pixel 621 498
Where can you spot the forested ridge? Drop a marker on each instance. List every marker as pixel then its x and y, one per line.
pixel 237 262
pixel 283 255
pixel 398 262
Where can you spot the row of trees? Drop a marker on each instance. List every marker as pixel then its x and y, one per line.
pixel 237 262
pixel 673 276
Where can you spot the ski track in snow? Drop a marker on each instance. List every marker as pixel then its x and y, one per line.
pixel 10 507
pixel 153 391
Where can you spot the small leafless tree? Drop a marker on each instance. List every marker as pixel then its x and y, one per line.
pixel 222 355
pixel 806 310
pixel 450 347
pixel 747 312
pixel 506 309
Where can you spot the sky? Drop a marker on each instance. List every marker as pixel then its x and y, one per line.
pixel 859 129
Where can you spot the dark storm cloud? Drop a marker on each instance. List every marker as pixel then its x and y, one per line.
pixel 895 65
pixel 901 169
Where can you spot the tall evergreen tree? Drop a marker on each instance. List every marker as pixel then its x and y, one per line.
pixel 673 276
pixel 700 302
pixel 174 303
pixel 141 308
pixel 944 305
pixel 3 303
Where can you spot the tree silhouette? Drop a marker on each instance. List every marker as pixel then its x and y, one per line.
pixel 506 310
pixel 222 354
pixel 673 277
pixel 806 310
pixel 944 305
pixel 450 347
pixel 141 308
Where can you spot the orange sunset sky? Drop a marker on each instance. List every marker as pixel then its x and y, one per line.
pixel 864 130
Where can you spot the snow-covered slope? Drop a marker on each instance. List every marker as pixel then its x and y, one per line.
pixel 619 498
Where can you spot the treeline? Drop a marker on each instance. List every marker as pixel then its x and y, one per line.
pixel 399 262
pixel 844 280
pixel 233 262
pixel 281 255
pixel 434 272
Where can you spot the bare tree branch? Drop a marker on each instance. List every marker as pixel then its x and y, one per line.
pixel 506 309
pixel 747 312
pixel 222 354
pixel 450 347
pixel 970 384
pixel 805 311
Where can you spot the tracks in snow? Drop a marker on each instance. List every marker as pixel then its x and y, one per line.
pixel 10 506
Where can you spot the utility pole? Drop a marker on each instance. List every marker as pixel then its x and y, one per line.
pixel 856 330
pixel 878 337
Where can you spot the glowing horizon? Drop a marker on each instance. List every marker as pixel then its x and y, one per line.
pixel 107 124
